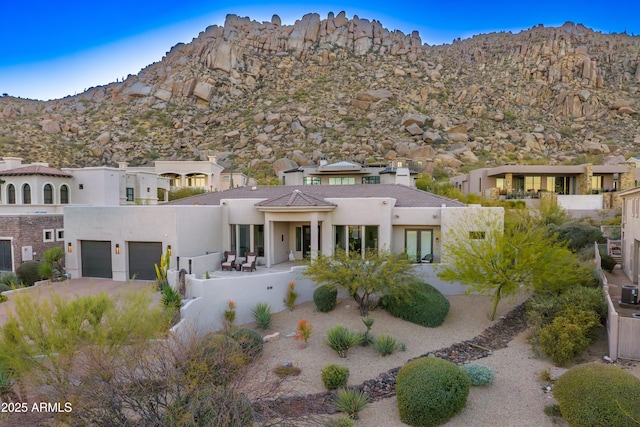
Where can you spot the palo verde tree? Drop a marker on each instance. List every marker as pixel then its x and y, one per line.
pixel 362 275
pixel 501 260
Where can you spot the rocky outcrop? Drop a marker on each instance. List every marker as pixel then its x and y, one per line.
pixel 263 95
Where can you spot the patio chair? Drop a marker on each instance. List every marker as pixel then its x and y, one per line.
pixel 250 262
pixel 229 261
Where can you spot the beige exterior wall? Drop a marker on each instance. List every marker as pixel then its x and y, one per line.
pixel 631 234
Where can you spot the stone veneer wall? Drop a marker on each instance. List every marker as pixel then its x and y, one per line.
pixel 28 230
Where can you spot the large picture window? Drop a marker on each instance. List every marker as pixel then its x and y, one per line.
pixel 358 238
pixel 342 180
pixel 311 180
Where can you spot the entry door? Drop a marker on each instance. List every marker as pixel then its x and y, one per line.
pixel 419 245
pixel 6 261
pixel 306 240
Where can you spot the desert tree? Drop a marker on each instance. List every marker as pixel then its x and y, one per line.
pixel 501 259
pixel 362 274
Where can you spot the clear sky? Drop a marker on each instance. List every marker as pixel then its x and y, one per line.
pixel 51 49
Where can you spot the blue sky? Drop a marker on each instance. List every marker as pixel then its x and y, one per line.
pixel 51 49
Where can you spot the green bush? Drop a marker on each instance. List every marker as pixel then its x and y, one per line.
pixel 419 303
pixel 171 298
pixel 335 376
pixel 221 355
pixel 4 288
pixel 351 401
pixel 568 334
pixel 607 262
pixel 341 339
pixel 542 309
pixel 596 394
pixel 250 341
pixel 10 280
pixel 578 234
pixel 29 272
pixel 325 298
pixel 262 315
pixel 430 391
pixel 478 374
pixel 385 345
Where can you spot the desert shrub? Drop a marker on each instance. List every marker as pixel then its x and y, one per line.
pixel 287 371
pixel 262 315
pixel 588 299
pixel 577 234
pixel 419 303
pixel 542 309
pixel 10 280
pixel 52 268
pixel 292 296
pixel 430 391
pixel 334 376
pixel 210 406
pixel 29 272
pixel 351 401
pixel 171 298
pixel 367 338
pixel 341 339
pixel 325 298
pixel 250 341
pixel 4 288
pixel 595 394
pixel 182 192
pixel 220 354
pixel 479 374
pixel 607 262
pixel 3 298
pixel 568 334
pixel 385 345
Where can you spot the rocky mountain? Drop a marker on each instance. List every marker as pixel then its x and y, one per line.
pixel 263 96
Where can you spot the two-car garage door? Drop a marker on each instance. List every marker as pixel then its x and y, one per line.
pixel 97 259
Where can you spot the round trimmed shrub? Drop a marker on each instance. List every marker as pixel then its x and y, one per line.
pixel 595 394
pixel 478 374
pixel 335 376
pixel 29 272
pixel 250 341
pixel 418 303
pixel 325 298
pixel 430 391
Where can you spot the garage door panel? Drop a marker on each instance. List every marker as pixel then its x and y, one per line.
pixel 142 259
pixel 96 259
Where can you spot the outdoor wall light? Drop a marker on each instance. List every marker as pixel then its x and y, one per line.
pixel 69 247
pixel 169 249
pixel 117 249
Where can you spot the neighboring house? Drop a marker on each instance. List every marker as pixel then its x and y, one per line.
pixel 596 184
pixel 32 198
pixel 348 173
pixel 205 174
pixel 630 234
pixel 636 161
pixel 278 223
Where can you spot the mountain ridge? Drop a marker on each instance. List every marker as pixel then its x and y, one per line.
pixel 266 96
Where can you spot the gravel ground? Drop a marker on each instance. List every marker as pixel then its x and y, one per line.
pixel 516 397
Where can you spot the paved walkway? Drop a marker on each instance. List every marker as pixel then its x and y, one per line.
pixel 72 289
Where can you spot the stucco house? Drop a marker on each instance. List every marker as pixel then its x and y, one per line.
pixel 348 173
pixel 279 223
pixel 577 188
pixel 32 197
pixel 631 233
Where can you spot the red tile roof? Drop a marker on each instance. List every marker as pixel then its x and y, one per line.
pixel 35 170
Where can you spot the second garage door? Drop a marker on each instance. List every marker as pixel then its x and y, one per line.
pixel 142 259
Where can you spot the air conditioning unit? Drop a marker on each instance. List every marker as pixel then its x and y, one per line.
pixel 629 294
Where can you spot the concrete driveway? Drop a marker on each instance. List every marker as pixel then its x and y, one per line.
pixel 75 288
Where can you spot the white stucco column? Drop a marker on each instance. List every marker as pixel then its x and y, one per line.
pixel 268 241
pixel 314 235
pixel 183 181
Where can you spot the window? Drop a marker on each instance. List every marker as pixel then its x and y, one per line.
pixel 418 245
pixel 64 195
pixel 226 178
pixel 48 194
pixel 11 194
pixel 129 194
pixel 26 194
pixel 477 235
pixel 596 182
pixel 399 164
pixel 311 180
pixel 298 239
pixel 60 234
pixel 81 186
pixel 258 239
pixel 6 263
pixel 371 180
pixel 551 183
pixel 240 239
pixel 196 181
pixel 356 238
pixel 532 182
pixel 234 246
pixel 47 235
pixel 342 181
